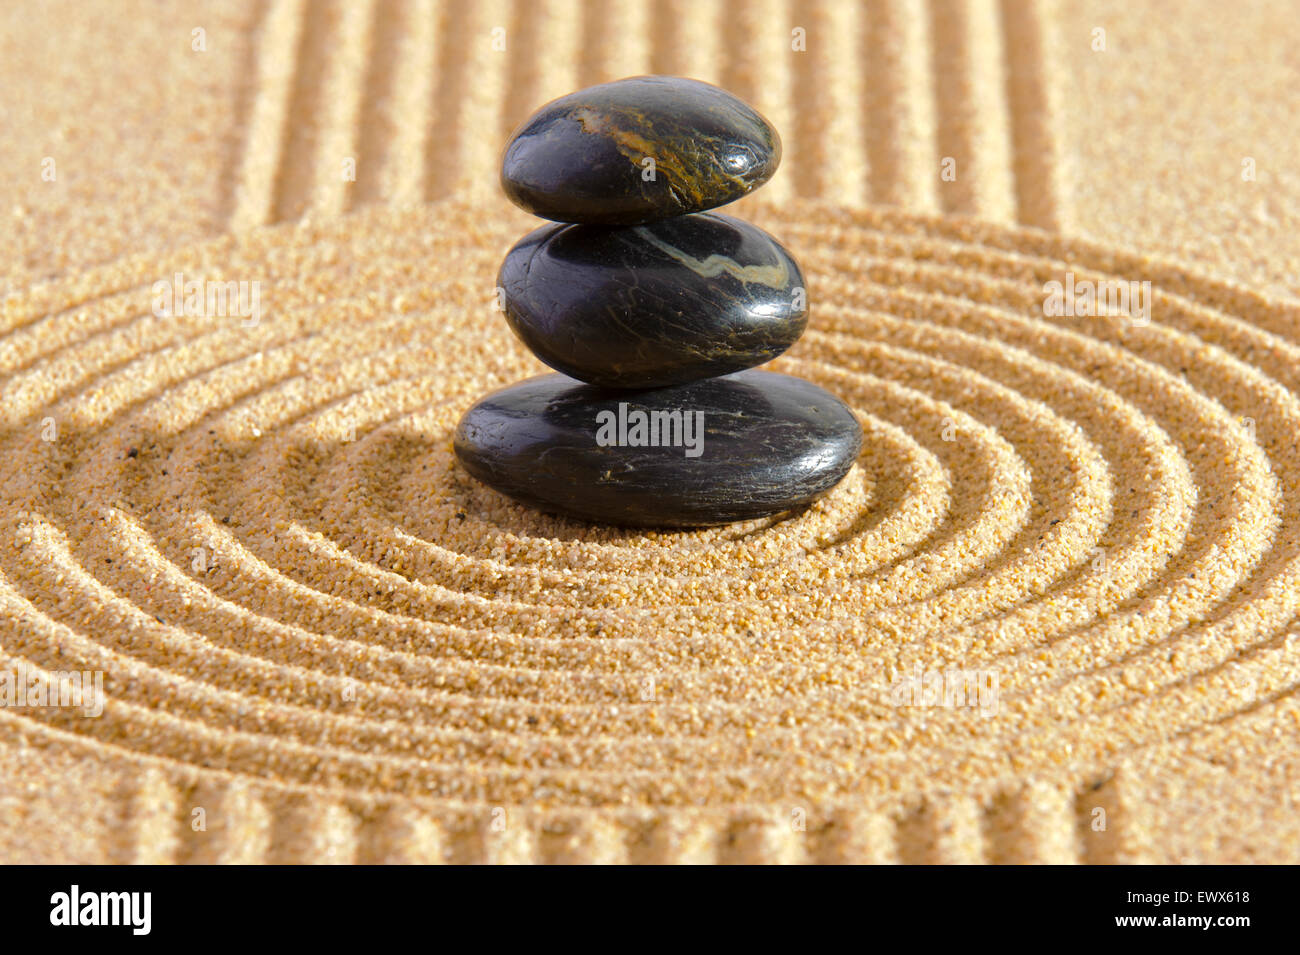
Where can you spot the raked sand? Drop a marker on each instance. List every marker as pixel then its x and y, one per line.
pixel 322 641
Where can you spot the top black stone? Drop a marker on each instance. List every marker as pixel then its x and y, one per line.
pixel 638 150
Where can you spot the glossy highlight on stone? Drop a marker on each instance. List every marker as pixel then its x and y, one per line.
pixel 583 157
pixel 744 446
pixel 653 305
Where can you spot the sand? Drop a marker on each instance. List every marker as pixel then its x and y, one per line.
pixel 322 641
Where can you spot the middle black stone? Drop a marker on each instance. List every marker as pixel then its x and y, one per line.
pixel 653 305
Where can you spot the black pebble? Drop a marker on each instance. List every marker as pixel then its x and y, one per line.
pixel 654 305
pixel 583 157
pixel 770 443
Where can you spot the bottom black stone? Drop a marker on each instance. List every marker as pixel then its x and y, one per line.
pixel 709 452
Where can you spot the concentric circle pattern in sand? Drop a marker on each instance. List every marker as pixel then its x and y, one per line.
pixel 301 603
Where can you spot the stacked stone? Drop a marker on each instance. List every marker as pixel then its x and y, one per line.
pixel 652 309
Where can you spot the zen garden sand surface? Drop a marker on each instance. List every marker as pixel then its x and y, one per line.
pixel 322 640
